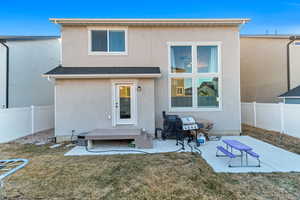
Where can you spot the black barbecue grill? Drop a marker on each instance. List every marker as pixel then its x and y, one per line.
pixel 179 128
pixel 172 126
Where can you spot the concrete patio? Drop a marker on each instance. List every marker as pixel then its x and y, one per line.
pixel 273 159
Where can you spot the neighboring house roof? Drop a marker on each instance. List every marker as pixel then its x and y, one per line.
pixel 272 36
pixel 22 37
pixel 103 72
pixel 151 22
pixel 293 93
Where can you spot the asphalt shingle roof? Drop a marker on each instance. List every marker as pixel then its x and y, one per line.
pixel 295 92
pixel 102 70
pixel 21 37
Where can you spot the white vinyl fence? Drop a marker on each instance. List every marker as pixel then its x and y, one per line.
pixel 19 122
pixel 284 118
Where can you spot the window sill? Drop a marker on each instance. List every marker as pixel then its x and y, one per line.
pixel 107 53
pixel 122 124
pixel 126 123
pixel 195 109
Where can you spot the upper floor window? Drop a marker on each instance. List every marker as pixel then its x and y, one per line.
pixel 194 76
pixel 107 41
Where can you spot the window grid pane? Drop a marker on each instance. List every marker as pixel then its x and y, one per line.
pixel 181 92
pixel 125 102
pixel 116 41
pixel 181 59
pixel 207 92
pixel 207 59
pixel 99 40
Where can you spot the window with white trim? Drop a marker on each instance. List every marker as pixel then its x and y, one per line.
pixel 108 41
pixel 194 76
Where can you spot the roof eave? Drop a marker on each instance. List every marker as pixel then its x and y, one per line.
pixel 287 97
pixel 19 37
pixel 79 76
pixel 135 22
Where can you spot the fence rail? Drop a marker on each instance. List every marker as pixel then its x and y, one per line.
pixel 19 122
pixel 279 117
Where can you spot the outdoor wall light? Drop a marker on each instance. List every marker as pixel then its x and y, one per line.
pixel 139 88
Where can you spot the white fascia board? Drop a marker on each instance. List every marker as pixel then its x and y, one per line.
pixel 289 97
pixel 102 75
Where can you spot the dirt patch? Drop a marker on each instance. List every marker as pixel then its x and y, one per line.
pixel 39 137
pixel 281 140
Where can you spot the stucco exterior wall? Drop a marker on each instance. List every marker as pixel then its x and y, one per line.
pixel 86 104
pixel 2 76
pixel 147 46
pixel 263 69
pixel 28 60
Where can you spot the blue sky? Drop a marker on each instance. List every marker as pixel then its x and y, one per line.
pixel 30 17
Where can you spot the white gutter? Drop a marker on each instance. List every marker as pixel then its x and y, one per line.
pixel 101 76
pixel 49 78
pixel 151 19
pixel 232 21
pixel 287 97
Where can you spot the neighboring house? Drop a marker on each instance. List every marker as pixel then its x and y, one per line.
pixel 122 73
pixel 292 96
pixel 264 66
pixel 21 83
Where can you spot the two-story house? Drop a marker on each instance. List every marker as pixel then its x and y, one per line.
pixel 122 73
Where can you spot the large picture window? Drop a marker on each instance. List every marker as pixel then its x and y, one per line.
pixel 194 76
pixel 107 41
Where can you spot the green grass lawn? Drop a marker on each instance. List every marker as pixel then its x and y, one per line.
pixel 50 175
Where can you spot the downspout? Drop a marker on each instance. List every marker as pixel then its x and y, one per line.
pixel 7 71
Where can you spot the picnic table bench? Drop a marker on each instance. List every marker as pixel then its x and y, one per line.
pixel 244 151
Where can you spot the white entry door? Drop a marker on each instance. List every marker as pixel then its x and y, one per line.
pixel 125 103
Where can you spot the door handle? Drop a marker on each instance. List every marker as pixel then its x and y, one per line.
pixel 117 105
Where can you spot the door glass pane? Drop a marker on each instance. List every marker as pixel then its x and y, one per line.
pixel 181 59
pixel 181 92
pixel 116 41
pixel 125 102
pixel 207 92
pixel 99 40
pixel 207 59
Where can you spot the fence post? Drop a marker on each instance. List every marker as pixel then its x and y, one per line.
pixel 282 117
pixel 254 112
pixel 32 119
